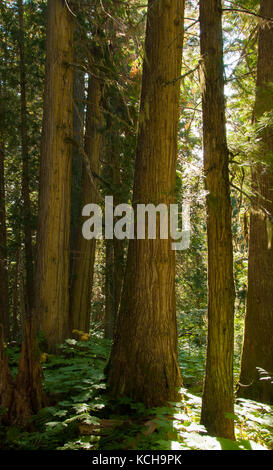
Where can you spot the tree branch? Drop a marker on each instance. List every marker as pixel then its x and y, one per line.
pixel 248 12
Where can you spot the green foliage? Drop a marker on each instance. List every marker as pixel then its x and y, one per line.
pixel 73 382
pixel 80 415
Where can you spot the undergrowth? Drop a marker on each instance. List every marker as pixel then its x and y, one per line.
pixel 81 416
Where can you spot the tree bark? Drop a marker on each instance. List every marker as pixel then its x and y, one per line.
pixel 52 269
pixel 85 250
pixel 25 166
pixel 218 387
pixel 77 163
pixel 143 362
pixel 23 396
pixel 4 296
pixel 15 293
pixel 114 254
pixel 258 339
pixel 4 277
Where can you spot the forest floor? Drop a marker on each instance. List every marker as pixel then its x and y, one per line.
pixel 82 417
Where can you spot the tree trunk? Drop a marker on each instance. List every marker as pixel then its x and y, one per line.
pixel 84 258
pixel 25 166
pixel 4 280
pixel 15 294
pixel 52 269
pixel 258 339
pixel 77 163
pixel 4 302
pixel 114 255
pixel 143 362
pixel 22 397
pixel 109 320
pixel 6 380
pixel 218 386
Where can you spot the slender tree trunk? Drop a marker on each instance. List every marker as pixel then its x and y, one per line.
pixel 15 295
pixel 258 338
pixel 85 250
pixel 143 362
pixel 52 271
pixel 114 274
pixel 25 165
pixel 77 163
pixel 4 302
pixel 218 387
pixel 21 290
pixel 4 278
pixel 77 166
pixel 114 257
pixel 6 380
pixel 109 290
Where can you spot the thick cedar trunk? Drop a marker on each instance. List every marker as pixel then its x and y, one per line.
pixel 258 338
pixel 52 269
pixel 22 397
pixel 25 167
pixel 143 362
pixel 218 386
pixel 84 257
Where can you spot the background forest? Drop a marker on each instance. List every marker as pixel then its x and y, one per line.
pixel 125 344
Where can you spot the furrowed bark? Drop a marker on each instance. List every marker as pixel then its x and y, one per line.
pixel 143 362
pixel 217 403
pixel 85 250
pixel 52 268
pixel 29 300
pixel 258 338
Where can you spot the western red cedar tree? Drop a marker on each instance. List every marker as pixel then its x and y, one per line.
pixel 52 268
pixel 143 362
pixel 258 338
pixel 84 260
pixel 217 403
pixel 27 232
pixel 77 161
pixel 4 304
pixel 114 249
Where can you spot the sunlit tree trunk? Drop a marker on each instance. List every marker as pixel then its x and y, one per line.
pixel 258 338
pixel 52 269
pixel 217 404
pixel 143 362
